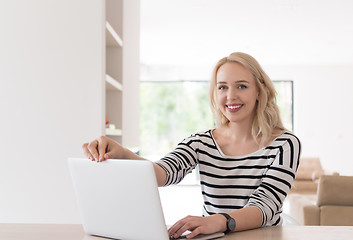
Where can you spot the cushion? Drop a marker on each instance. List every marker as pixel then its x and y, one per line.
pixel 336 216
pixel 335 190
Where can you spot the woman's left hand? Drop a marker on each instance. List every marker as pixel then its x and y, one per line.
pixel 198 225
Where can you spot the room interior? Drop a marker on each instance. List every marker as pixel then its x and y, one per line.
pixel 53 97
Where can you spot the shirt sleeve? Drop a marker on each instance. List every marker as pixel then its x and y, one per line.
pixel 277 181
pixel 181 161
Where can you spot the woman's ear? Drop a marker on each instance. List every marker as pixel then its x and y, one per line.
pixel 263 86
pixel 258 95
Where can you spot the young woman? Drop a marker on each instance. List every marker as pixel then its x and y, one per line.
pixel 246 164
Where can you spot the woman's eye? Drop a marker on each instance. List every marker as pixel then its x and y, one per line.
pixel 222 87
pixel 242 86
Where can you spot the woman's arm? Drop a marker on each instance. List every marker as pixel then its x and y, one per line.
pixel 264 204
pixel 245 218
pixel 277 180
pixel 104 148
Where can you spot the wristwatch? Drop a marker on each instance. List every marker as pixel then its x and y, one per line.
pixel 230 223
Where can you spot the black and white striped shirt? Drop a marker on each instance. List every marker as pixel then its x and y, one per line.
pixel 262 178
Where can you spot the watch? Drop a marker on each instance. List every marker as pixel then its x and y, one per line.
pixel 230 223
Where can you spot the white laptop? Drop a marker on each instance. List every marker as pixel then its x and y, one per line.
pixel 119 199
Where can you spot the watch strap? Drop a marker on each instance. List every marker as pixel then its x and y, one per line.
pixel 229 218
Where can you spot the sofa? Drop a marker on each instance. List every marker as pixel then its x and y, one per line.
pixel 331 206
pixel 308 175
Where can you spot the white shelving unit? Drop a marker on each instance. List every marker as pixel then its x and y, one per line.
pixel 121 25
pixel 113 132
pixel 114 68
pixel 112 84
pixel 112 38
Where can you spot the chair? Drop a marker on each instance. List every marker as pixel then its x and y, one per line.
pixel 333 205
pixel 308 175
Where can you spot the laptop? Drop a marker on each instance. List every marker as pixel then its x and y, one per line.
pixel 119 199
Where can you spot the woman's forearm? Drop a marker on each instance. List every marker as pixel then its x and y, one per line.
pixel 247 218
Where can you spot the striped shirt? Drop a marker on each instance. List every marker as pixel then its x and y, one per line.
pixel 262 178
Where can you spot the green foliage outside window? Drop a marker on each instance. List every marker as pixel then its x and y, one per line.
pixel 172 111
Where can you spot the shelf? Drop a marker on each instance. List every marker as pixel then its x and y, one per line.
pixel 111 37
pixel 112 84
pixel 113 132
pixel 113 78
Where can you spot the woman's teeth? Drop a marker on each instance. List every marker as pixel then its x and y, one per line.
pixel 234 107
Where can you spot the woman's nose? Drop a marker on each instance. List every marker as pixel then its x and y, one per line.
pixel 232 94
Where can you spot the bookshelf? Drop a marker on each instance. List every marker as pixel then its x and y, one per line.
pixel 114 69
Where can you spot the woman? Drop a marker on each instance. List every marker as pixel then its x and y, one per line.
pixel 247 163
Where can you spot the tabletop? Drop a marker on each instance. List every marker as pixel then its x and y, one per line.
pixel 75 232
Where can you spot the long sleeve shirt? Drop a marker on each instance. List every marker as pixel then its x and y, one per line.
pixel 262 178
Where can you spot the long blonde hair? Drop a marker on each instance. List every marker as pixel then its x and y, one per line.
pixel 267 117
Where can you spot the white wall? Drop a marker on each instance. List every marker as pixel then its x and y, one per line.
pixel 51 98
pixel 131 73
pixel 323 112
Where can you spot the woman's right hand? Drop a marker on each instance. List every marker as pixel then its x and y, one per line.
pixel 102 149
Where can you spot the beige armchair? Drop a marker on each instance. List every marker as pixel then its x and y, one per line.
pixel 308 175
pixel 332 206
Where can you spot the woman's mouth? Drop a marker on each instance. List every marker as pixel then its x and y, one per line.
pixel 234 107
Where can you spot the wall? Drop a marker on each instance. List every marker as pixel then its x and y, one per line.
pixel 51 96
pixel 131 73
pixel 323 112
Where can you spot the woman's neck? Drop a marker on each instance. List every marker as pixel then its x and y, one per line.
pixel 238 132
pixel 235 140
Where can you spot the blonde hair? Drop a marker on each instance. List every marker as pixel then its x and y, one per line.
pixel 267 117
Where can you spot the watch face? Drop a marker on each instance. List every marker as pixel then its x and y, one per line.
pixel 231 224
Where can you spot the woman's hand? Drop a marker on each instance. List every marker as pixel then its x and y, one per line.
pixel 198 225
pixel 103 148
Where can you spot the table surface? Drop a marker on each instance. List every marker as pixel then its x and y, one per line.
pixel 75 232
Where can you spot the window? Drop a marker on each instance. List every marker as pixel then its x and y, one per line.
pixel 173 110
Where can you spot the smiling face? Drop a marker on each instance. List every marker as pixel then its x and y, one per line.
pixel 236 93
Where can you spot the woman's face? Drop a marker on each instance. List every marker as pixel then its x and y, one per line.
pixel 236 92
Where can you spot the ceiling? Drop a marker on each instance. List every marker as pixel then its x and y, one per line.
pixel 198 32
